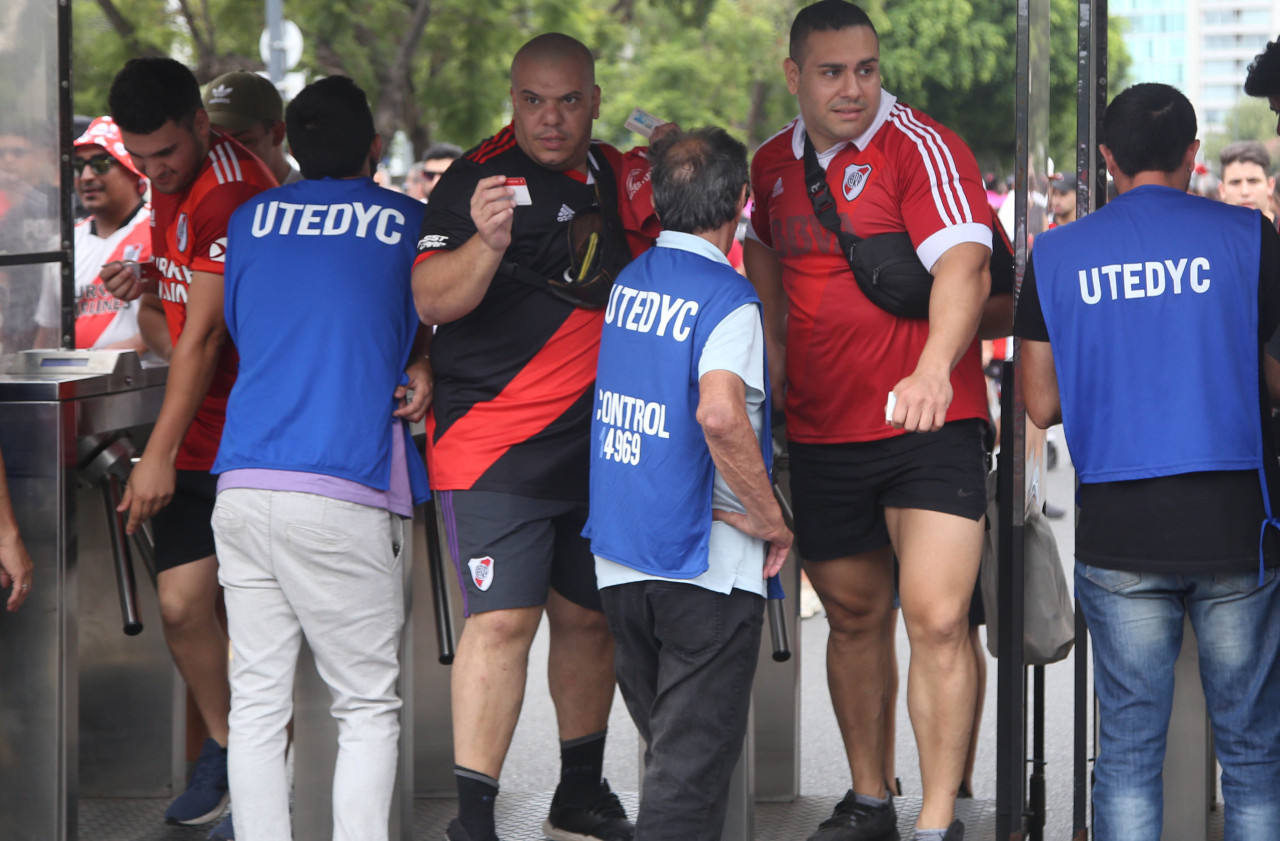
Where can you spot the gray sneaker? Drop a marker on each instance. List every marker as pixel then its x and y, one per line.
pixel 854 821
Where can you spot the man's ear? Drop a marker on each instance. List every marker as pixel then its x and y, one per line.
pixel 1110 159
pixel 792 71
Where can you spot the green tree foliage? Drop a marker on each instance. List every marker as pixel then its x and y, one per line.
pixel 1250 119
pixel 727 72
pixel 438 69
pixel 957 62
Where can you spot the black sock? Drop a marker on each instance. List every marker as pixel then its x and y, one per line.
pixel 581 766
pixel 476 793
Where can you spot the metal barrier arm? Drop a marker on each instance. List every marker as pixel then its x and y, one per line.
pixel 775 607
pixel 439 587
pixel 106 461
pixel 126 584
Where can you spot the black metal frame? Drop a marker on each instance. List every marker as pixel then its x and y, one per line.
pixel 1091 194
pixel 1011 674
pixel 66 228
pixel 66 118
pixel 27 259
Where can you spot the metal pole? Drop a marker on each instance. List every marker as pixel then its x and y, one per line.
pixel 66 155
pixel 1011 681
pixel 275 37
pixel 1091 194
pixel 1080 783
pixel 1036 797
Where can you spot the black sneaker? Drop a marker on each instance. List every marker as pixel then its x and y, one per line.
pixel 854 821
pixel 955 832
pixel 602 819
pixel 457 832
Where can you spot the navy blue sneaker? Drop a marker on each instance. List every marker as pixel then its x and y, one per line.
pixel 206 794
pixel 224 831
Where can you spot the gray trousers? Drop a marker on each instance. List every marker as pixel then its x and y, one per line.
pixel 685 661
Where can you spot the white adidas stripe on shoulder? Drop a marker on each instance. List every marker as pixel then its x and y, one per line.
pixel 231 161
pixel 226 166
pixel 944 176
pixel 216 165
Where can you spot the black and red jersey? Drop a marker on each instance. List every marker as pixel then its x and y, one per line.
pixel 513 377
pixel 845 354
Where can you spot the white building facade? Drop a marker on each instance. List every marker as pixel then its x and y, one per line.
pixel 1201 47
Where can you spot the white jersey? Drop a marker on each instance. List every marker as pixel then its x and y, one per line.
pixel 101 319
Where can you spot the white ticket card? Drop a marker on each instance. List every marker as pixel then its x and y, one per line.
pixel 522 190
pixel 643 123
pixel 889 406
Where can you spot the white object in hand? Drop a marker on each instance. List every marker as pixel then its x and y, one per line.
pixel 643 123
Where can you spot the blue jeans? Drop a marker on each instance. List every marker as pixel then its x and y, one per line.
pixel 1135 622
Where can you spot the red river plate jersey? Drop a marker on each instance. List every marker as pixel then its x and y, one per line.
pixel 845 354
pixel 189 234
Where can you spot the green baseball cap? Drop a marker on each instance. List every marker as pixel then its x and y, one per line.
pixel 239 99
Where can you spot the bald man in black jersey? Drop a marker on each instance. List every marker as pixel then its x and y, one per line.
pixel 508 437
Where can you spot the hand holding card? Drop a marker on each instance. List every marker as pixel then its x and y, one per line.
pixel 643 123
pixel 521 188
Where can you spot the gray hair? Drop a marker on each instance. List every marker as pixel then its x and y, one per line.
pixel 698 176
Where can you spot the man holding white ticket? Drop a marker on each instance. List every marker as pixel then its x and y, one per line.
pixel 518 250
pixel 885 411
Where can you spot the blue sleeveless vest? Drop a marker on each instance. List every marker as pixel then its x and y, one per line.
pixel 1151 304
pixel 311 394
pixel 651 471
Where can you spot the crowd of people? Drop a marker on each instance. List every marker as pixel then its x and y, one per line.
pixel 599 386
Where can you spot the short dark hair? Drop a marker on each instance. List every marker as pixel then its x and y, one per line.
pixel 330 128
pixel 698 176
pixel 1245 152
pixel 148 92
pixel 825 16
pixel 440 151
pixel 1264 72
pixel 1148 128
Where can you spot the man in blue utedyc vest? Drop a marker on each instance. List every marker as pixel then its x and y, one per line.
pixel 683 522
pixel 317 470
pixel 1142 327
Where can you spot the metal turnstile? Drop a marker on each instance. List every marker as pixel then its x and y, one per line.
pixel 85 710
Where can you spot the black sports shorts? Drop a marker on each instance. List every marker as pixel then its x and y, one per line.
pixel 839 491
pixel 510 550
pixel 183 529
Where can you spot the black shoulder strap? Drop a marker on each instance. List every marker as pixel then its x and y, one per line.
pixel 606 191
pixel 824 204
pixel 606 183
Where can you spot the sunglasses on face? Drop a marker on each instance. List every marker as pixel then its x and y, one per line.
pixel 99 164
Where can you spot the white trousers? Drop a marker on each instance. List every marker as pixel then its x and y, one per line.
pixel 294 564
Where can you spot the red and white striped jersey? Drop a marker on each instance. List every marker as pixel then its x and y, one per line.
pixel 189 234
pixel 101 318
pixel 845 354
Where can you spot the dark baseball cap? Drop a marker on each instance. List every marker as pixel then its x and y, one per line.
pixel 1063 183
pixel 239 99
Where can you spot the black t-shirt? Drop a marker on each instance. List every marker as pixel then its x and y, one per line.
pixel 1190 522
pixel 513 377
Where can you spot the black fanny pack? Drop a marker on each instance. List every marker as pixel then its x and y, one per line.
pixel 597 246
pixel 885 265
pixel 598 250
